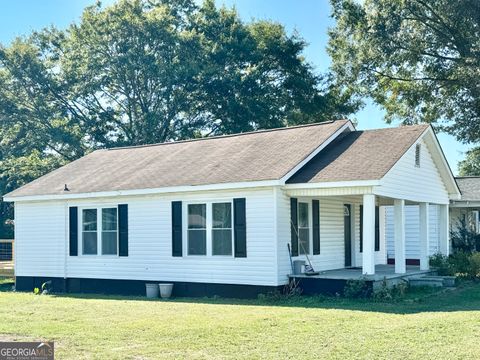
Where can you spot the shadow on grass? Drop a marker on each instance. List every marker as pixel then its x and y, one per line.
pixel 466 297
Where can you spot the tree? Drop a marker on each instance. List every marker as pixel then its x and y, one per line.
pixel 147 71
pixel 470 166
pixel 420 60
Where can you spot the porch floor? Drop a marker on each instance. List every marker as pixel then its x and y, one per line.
pixel 334 281
pixel 381 272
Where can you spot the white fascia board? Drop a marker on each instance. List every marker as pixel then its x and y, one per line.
pixel 332 184
pixel 348 125
pixel 455 194
pixel 465 204
pixel 165 190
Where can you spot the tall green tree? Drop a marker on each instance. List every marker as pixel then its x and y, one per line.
pixel 470 166
pixel 418 59
pixel 146 71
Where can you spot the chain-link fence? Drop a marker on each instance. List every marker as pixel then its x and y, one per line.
pixel 6 249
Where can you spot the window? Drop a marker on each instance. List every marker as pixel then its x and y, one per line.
pixel 417 155
pixel 197 229
pixel 303 229
pixel 210 229
pixel 222 229
pixel 103 221
pixel 89 232
pixel 109 231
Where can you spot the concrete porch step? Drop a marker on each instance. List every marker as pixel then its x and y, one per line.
pixel 432 280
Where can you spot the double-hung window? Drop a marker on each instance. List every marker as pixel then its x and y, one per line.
pixel 222 229
pixel 99 231
pixel 109 231
pixel 197 229
pixel 209 229
pixel 89 232
pixel 303 228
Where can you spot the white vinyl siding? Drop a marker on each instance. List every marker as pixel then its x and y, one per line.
pixel 40 239
pixel 42 234
pixel 415 183
pixel 412 231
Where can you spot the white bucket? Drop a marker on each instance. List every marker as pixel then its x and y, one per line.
pixel 152 290
pixel 165 290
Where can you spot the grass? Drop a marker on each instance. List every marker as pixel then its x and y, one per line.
pixel 426 325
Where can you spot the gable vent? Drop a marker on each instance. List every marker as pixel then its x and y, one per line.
pixel 417 155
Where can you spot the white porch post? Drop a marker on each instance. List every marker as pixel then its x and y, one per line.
pixel 368 256
pixel 424 235
pixel 444 228
pixel 399 210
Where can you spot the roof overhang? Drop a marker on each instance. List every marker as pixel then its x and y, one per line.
pixel 153 191
pixel 465 204
pixel 443 167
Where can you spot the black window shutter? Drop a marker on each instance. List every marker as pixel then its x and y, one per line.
pixel 73 230
pixel 123 230
pixel 177 228
pixel 361 228
pixel 316 226
pixel 377 228
pixel 240 227
pixel 294 225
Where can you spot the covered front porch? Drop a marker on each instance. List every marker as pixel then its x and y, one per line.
pixel 352 240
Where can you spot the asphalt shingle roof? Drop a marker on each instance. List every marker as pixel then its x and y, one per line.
pixel 255 156
pixel 470 187
pixel 360 155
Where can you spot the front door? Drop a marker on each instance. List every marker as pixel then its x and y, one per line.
pixel 347 225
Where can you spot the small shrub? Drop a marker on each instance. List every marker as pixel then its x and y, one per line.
pixel 459 263
pixel 474 265
pixel 441 263
pixel 464 239
pixel 386 293
pixel 355 289
pixel 383 293
pixel 401 289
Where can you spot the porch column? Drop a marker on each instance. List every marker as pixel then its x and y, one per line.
pixel 399 210
pixel 444 230
pixel 368 256
pixel 424 235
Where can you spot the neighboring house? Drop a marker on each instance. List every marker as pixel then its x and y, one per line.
pixel 215 215
pixel 469 205
pixel 466 208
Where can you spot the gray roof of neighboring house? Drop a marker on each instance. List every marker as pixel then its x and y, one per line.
pixel 470 187
pixel 360 155
pixel 254 156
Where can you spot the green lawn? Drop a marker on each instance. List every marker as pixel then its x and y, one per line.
pixel 445 325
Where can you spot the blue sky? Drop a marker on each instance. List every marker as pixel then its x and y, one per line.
pixel 309 17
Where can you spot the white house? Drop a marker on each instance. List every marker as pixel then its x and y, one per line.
pixel 215 215
pixel 466 208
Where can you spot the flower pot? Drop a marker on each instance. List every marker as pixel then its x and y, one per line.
pixel 152 290
pixel 165 290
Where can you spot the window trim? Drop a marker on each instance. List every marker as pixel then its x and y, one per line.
pixel 188 229
pixel 209 224
pixel 310 227
pixel 99 209
pixel 310 223
pixel 232 247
